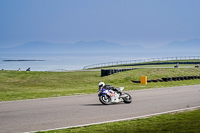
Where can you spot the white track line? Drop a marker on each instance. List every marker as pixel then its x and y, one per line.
pixel 138 117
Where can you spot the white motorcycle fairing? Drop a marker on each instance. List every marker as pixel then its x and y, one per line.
pixel 109 96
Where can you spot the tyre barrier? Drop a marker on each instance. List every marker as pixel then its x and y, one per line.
pixel 171 79
pixel 106 72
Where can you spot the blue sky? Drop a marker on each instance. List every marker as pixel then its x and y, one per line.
pixel 149 23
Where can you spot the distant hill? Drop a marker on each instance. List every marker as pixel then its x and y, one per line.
pixel 36 47
pixel 83 47
pixel 192 45
pixel 100 47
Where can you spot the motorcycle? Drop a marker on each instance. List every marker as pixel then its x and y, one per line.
pixel 108 96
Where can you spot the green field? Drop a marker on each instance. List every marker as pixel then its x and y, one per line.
pixel 15 85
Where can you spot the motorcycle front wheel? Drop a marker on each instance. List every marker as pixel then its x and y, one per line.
pixel 106 100
pixel 127 98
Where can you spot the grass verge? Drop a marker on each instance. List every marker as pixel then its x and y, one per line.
pixel 15 85
pixel 184 122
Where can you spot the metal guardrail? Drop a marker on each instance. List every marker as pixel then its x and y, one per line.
pixel 140 61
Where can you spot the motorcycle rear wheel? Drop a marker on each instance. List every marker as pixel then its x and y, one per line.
pixel 127 98
pixel 106 100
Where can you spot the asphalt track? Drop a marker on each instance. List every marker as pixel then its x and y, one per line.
pixel 51 113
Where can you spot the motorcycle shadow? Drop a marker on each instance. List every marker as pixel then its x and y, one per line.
pixel 103 104
pixel 93 105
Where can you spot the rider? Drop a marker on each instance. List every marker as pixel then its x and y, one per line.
pixel 108 87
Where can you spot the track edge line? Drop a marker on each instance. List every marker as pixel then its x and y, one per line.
pixel 131 118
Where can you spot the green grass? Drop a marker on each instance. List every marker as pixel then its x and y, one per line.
pixel 184 122
pixel 15 85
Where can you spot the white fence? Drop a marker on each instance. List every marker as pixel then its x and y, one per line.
pixel 141 61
